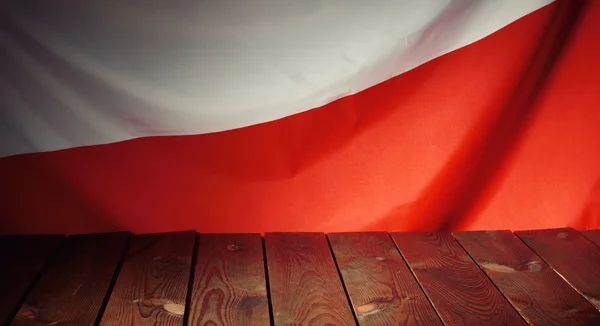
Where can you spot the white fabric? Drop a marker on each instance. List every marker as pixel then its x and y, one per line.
pixel 91 72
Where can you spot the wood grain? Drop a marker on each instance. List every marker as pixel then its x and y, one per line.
pixel 74 284
pixel 457 288
pixel 305 285
pixel 529 284
pixel 152 285
pixel 229 281
pixel 381 288
pixel 21 261
pixel 593 236
pixel 571 255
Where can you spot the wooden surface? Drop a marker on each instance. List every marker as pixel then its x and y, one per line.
pixel 381 288
pixel 593 236
pixel 229 281
pixel 304 281
pixel 74 284
pixel 571 255
pixel 457 288
pixel 21 261
pixel 530 285
pixel 153 282
pixel 544 277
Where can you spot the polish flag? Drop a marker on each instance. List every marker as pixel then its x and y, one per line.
pixel 255 116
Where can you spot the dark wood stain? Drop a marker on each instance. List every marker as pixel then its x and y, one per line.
pixel 529 284
pixel 73 286
pixel 381 288
pixel 153 281
pixel 549 276
pixel 21 260
pixel 304 281
pixel 571 255
pixel 457 288
pixel 229 281
pixel 593 236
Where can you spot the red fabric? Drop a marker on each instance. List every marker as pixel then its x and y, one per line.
pixel 476 139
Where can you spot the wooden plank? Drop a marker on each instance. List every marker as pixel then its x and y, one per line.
pixel 381 288
pixel 457 288
pixel 21 261
pixel 153 282
pixel 593 236
pixel 305 285
pixel 229 281
pixel 529 284
pixel 571 255
pixel 74 284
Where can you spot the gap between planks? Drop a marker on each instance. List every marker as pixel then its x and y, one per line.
pixel 488 277
pixel 337 267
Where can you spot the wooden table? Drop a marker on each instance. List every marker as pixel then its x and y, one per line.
pixel 538 277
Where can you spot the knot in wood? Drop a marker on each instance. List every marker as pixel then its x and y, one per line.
pixel 497 267
pixel 26 312
pixel 375 306
pixel 367 309
pixel 534 266
pixel 174 308
pixel 233 247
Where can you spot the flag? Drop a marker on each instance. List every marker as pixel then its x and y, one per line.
pixel 255 116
